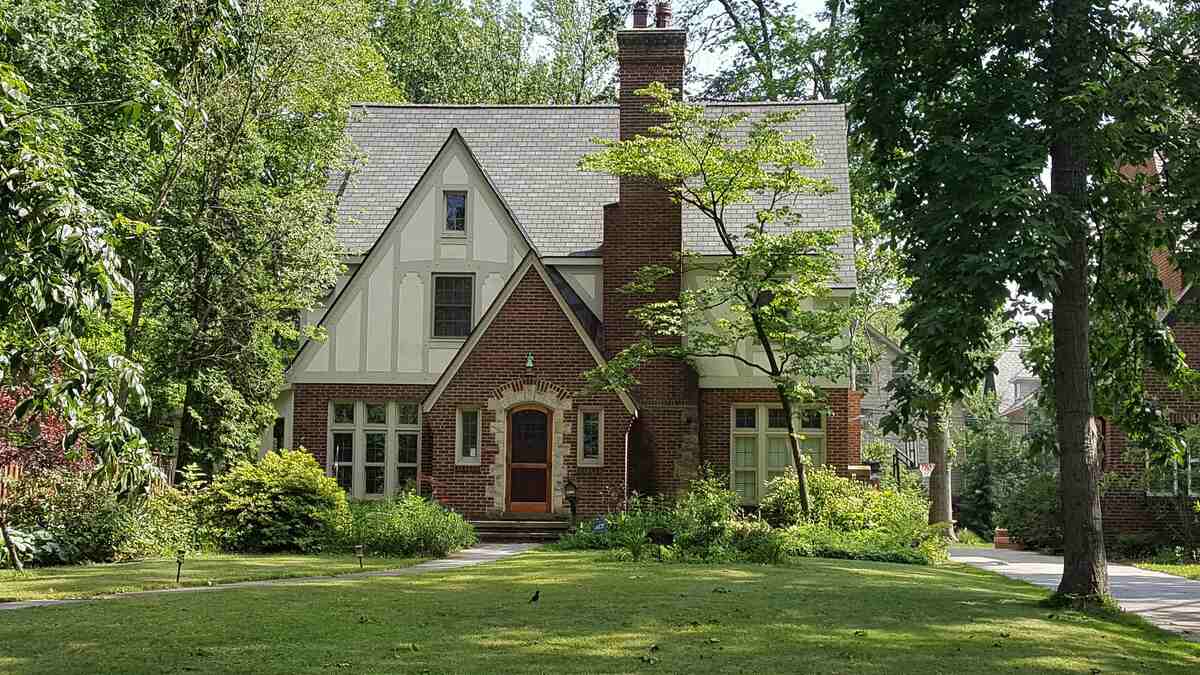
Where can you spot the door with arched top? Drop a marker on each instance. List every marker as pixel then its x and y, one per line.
pixel 529 433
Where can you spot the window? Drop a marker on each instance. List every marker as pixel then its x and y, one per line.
pixel 467 451
pixel 1175 479
pixel 456 212
pixel 452 306
pixel 759 448
pixel 364 461
pixel 591 437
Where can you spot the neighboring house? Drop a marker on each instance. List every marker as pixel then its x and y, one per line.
pixel 872 380
pixel 1016 386
pixel 1130 508
pixel 486 278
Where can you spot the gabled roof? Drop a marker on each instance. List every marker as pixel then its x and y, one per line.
pixel 531 156
pixel 531 261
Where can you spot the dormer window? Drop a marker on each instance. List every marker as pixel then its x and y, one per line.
pixel 456 212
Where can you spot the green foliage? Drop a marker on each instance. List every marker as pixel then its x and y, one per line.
pixel 38 547
pixel 406 525
pixel 1032 514
pixel 284 502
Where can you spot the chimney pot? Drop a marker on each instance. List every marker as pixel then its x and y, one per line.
pixel 662 14
pixel 640 14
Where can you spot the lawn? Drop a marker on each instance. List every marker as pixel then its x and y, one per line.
pixel 816 616
pixel 1191 571
pixel 82 581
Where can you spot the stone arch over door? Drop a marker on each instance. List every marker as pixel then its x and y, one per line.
pixel 558 402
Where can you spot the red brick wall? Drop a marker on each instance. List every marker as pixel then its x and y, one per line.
pixel 843 430
pixel 643 229
pixel 1126 510
pixel 1170 275
pixel 310 425
pixel 530 322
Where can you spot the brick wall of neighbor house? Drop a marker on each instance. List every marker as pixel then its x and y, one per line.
pixel 530 322
pixel 311 422
pixel 645 228
pixel 843 431
pixel 1128 511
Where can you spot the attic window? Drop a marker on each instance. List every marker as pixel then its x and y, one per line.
pixel 456 212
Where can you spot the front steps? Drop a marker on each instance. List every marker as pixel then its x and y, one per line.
pixel 523 527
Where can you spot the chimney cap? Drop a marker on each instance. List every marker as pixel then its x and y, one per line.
pixel 641 13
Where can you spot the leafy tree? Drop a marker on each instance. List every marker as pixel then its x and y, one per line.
pixel 582 37
pixel 771 288
pixel 963 103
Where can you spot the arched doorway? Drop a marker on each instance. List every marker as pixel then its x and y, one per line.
pixel 529 435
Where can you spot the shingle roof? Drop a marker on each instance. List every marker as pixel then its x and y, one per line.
pixel 531 154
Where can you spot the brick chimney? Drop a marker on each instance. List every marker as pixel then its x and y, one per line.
pixel 644 228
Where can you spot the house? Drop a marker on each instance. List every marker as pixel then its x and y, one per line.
pixel 486 277
pixel 872 379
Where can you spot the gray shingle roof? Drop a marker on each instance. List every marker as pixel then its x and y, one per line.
pixel 531 154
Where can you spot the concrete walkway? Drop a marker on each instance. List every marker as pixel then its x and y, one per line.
pixel 1165 600
pixel 483 553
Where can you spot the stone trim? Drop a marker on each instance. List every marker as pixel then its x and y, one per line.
pixel 524 392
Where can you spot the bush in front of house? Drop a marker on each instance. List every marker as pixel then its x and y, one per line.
pixel 283 502
pixel 1032 515
pixel 405 525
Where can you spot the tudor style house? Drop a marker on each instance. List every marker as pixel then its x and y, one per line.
pixel 485 277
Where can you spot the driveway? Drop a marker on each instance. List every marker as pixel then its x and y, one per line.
pixel 1165 600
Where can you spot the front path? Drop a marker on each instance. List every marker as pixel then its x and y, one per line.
pixel 1165 600
pixel 475 555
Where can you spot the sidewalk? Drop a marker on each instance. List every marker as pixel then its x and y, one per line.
pixel 1165 600
pixel 477 555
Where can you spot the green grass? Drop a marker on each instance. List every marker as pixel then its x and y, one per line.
pixel 84 581
pixel 1191 571
pixel 595 616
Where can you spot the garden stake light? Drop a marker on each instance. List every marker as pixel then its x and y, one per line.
pixel 358 553
pixel 178 564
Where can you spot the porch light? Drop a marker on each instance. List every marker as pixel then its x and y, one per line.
pixel 876 472
pixel 569 491
pixel 529 360
pixel 359 552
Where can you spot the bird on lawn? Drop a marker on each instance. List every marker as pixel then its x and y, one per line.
pixel 537 595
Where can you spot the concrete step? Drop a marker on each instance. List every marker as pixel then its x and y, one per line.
pixel 501 537
pixel 540 529
pixel 520 524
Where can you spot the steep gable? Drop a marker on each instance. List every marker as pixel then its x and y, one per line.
pixel 380 326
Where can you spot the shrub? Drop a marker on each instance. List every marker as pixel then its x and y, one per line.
pixel 1032 516
pixel 755 541
pixel 816 540
pixel 406 525
pixel 283 502
pixel 701 518
pixel 38 547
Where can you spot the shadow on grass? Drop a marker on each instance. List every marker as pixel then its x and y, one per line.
pixel 597 616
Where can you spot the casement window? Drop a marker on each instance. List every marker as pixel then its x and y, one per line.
pixel 452 305
pixel 1175 479
pixel 590 429
pixel 759 447
pixel 456 211
pixel 467 435
pixel 374 447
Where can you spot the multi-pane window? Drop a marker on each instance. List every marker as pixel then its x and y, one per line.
pixel 456 211
pixel 591 437
pixel 1175 479
pixel 374 447
pixel 468 437
pixel 452 305
pixel 760 451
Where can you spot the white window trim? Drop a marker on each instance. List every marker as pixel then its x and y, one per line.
pixel 1191 490
pixel 580 459
pixel 391 429
pixel 455 234
pixel 459 459
pixel 762 433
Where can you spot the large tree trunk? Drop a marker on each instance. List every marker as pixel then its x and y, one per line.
pixel 941 509
pixel 1085 570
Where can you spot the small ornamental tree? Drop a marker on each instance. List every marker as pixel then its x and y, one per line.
pixel 769 289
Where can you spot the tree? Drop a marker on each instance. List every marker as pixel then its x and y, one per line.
pixel 963 104
pixel 582 36
pixel 769 288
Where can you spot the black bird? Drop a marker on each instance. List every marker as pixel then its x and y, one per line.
pixel 536 596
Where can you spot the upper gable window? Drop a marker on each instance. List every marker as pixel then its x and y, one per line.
pixel 452 305
pixel 456 212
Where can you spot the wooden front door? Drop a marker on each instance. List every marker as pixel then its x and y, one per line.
pixel 529 436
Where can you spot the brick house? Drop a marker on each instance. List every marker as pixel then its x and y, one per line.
pixel 485 278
